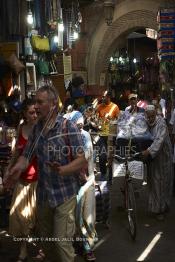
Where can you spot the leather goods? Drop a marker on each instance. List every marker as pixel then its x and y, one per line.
pixel 15 64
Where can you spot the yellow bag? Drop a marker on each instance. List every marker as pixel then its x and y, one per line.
pixel 40 43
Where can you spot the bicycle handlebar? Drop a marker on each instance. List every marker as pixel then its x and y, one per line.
pixel 135 156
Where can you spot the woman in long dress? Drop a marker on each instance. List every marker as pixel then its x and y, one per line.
pixel 23 205
pixel 160 167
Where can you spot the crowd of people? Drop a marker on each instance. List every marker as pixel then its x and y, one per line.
pixel 52 170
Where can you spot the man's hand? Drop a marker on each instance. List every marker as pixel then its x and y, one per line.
pixel 145 153
pixel 11 177
pixel 56 167
pixel 110 160
pixel 75 166
pixel 13 174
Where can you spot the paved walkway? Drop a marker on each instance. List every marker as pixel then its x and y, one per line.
pixel 154 243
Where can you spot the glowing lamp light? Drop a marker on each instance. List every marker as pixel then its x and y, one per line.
pixel 55 39
pixel 30 17
pixel 111 59
pixel 134 60
pixel 120 59
pixel 60 27
pixel 75 35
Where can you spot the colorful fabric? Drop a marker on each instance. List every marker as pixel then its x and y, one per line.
pixel 166 35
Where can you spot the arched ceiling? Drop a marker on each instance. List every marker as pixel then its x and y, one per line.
pixel 128 16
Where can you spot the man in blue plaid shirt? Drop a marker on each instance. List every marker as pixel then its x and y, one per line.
pixel 58 145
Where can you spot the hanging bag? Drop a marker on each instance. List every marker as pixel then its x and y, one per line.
pixel 40 43
pixel 52 67
pixel 42 66
pixel 15 64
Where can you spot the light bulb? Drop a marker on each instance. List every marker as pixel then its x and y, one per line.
pixel 79 17
pixel 134 60
pixel 75 35
pixel 120 59
pixel 111 59
pixel 55 39
pixel 60 27
pixel 30 17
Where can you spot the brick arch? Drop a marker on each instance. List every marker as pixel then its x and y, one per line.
pixel 106 38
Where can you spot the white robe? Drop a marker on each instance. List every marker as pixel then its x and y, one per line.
pixel 160 169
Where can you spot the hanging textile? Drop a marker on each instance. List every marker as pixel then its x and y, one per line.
pixel 40 8
pixel 166 33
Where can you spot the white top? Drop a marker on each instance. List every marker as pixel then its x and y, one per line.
pixel 162 103
pixel 88 149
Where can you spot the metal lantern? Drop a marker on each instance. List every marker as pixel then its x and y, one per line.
pixel 109 11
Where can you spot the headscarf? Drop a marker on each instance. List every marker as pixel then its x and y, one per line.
pixel 150 108
pixel 76 117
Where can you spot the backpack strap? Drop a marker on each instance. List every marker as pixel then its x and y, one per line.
pixel 66 138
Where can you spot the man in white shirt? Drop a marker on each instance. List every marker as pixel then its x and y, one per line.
pixel 162 103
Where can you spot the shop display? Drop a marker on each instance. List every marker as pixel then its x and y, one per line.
pixel 166 33
pixel 40 43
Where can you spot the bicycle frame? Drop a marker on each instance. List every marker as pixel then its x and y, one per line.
pixel 130 203
pixel 129 197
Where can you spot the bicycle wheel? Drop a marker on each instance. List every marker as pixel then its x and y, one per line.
pixel 131 210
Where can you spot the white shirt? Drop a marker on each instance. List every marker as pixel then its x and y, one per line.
pixel 88 149
pixel 162 103
pixel 172 120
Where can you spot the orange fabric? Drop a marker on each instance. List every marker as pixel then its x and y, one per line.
pixel 110 110
pixel 107 113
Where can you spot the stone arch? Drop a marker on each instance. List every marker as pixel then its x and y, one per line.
pixel 139 14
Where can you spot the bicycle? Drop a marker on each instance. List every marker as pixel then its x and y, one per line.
pixel 129 197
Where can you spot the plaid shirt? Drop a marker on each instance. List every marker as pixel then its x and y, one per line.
pixel 58 146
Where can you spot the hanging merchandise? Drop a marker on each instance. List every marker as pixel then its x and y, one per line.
pixel 52 67
pixel 40 9
pixel 166 33
pixel 74 20
pixel 51 14
pixel 166 70
pixel 42 65
pixel 56 27
pixel 30 17
pixel 15 64
pixel 40 43
pixel 53 43
pixel 60 33
pixel 28 47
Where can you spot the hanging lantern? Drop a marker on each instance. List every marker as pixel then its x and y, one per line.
pixel 60 33
pixel 29 18
pixel 108 11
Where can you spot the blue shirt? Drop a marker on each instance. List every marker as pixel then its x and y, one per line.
pixel 59 144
